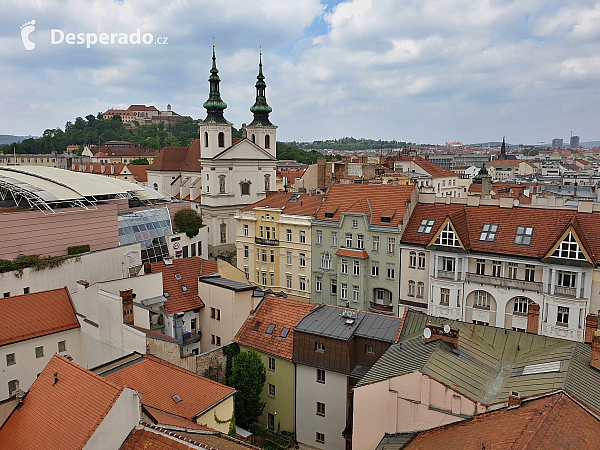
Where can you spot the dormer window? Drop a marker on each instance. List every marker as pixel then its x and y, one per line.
pixel 386 219
pixel 488 233
pixel 448 237
pixel 569 249
pixel 329 215
pixel 256 326
pixel 523 236
pixel 426 226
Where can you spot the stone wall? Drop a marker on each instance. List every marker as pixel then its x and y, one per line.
pixel 212 364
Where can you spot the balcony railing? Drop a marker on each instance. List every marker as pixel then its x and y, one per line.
pixel 566 291
pixel 263 241
pixel 192 338
pixel 504 282
pixel 380 308
pixel 447 274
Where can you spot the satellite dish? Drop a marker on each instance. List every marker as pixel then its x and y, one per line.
pixel 446 328
pixel 427 333
pixel 516 202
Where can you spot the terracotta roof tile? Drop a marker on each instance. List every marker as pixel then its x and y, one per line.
pixel 546 423
pixel 342 198
pixel 294 203
pixel 169 420
pixel 352 253
pixel 548 225
pixel 431 168
pixel 158 381
pixel 60 417
pixel 504 162
pixel 139 171
pixel 175 159
pixel 189 269
pixel 153 440
pixel 281 312
pixel 33 315
pixel 142 108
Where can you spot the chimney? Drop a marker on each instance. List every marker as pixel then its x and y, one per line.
pixel 442 332
pixel 533 318
pixel 514 399
pixel 147 267
pixel 321 173
pixel 591 326
pixel 127 300
pixel 486 186
pixel 595 361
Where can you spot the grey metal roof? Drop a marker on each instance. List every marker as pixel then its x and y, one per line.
pixel 227 284
pixel 153 300
pixel 328 321
pixel 395 441
pixel 491 362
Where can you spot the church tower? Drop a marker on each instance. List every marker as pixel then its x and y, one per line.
pixel 215 131
pixel 261 131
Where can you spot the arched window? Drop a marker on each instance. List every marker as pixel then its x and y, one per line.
pixel 253 139
pixel 155 187
pixel 325 261
pixel 411 288
pixel 221 139
pixel 413 259
pixel 205 139
pixel 267 141
pixel 421 260
pixel 482 299
pixel 245 187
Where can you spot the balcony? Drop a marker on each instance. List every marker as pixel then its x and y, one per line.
pixel 565 291
pixel 263 241
pixel 504 282
pixel 157 324
pixel 451 312
pixel 192 337
pixel 449 274
pixel 380 308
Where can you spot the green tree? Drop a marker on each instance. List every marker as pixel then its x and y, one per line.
pixel 248 378
pixel 140 162
pixel 188 221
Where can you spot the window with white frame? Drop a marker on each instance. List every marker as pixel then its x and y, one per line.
pixel 302 260
pixel 319 237
pixel 391 245
pixel 354 223
pixel 355 294
pixel 344 266
pixel 421 260
pixel 482 299
pixel 448 237
pixel 379 296
pixel 325 261
pixel 488 232
pixel 272 277
pixel 334 241
pixel 349 240
pixel 529 272
pixel 245 230
pixel 360 241
pixel 391 271
pixel 303 237
pixel 448 263
pixel 263 255
pixel 375 243
pixel 246 251
pixel 480 266
pixel 261 232
pixel 523 235
pixel 264 278
pixel 411 288
pixel 496 269
pixel 521 305
pixel 288 235
pixel 426 226
pixel 566 278
pixel 412 259
pixel 288 258
pixel 272 256
pixel 569 249
pixel 444 296
pixel 288 281
pixel 374 268
pixel 318 284
pixel 344 291
pixel 333 287
pixel 355 268
pixel 271 364
pixel 562 316
pixel 302 284
pixel 271 390
pixel 420 289
pixel 512 270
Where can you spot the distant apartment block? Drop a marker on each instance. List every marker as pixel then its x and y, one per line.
pixel 557 143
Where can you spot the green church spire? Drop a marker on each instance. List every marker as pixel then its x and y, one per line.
pixel 261 109
pixel 214 105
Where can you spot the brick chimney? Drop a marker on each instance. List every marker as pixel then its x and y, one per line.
pixel 514 399
pixel 595 361
pixel 486 186
pixel 591 326
pixel 127 297
pixel 533 318
pixel 321 173
pixel 147 267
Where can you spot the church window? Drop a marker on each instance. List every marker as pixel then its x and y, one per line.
pixel 221 139
pixel 221 184
pixel 267 141
pixel 205 139
pixel 245 185
pixel 223 229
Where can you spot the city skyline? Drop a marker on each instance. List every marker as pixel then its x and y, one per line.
pixel 420 72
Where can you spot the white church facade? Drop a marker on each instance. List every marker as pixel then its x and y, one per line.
pixel 219 173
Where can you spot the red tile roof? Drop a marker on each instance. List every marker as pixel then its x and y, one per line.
pixel 165 419
pixel 144 439
pixel 514 190
pixel 158 381
pixel 33 315
pixel 118 111
pixel 304 204
pixel 504 162
pixel 191 163
pixel 366 199
pixel 142 108
pixel 291 174
pixel 189 269
pixel 352 253
pixel 431 168
pixel 139 171
pixel 555 422
pixel 281 312
pixel 60 417
pixel 548 225
pixel 175 159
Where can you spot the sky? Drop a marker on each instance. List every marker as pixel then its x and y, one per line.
pixel 424 71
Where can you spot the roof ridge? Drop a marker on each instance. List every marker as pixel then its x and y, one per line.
pixel 89 372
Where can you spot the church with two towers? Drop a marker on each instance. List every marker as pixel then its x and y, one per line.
pixel 220 173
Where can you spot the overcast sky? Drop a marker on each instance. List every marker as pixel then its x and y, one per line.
pixel 418 70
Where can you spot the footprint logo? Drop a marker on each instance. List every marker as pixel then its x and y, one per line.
pixel 26 30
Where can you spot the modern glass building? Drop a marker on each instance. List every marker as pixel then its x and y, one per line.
pixel 148 227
